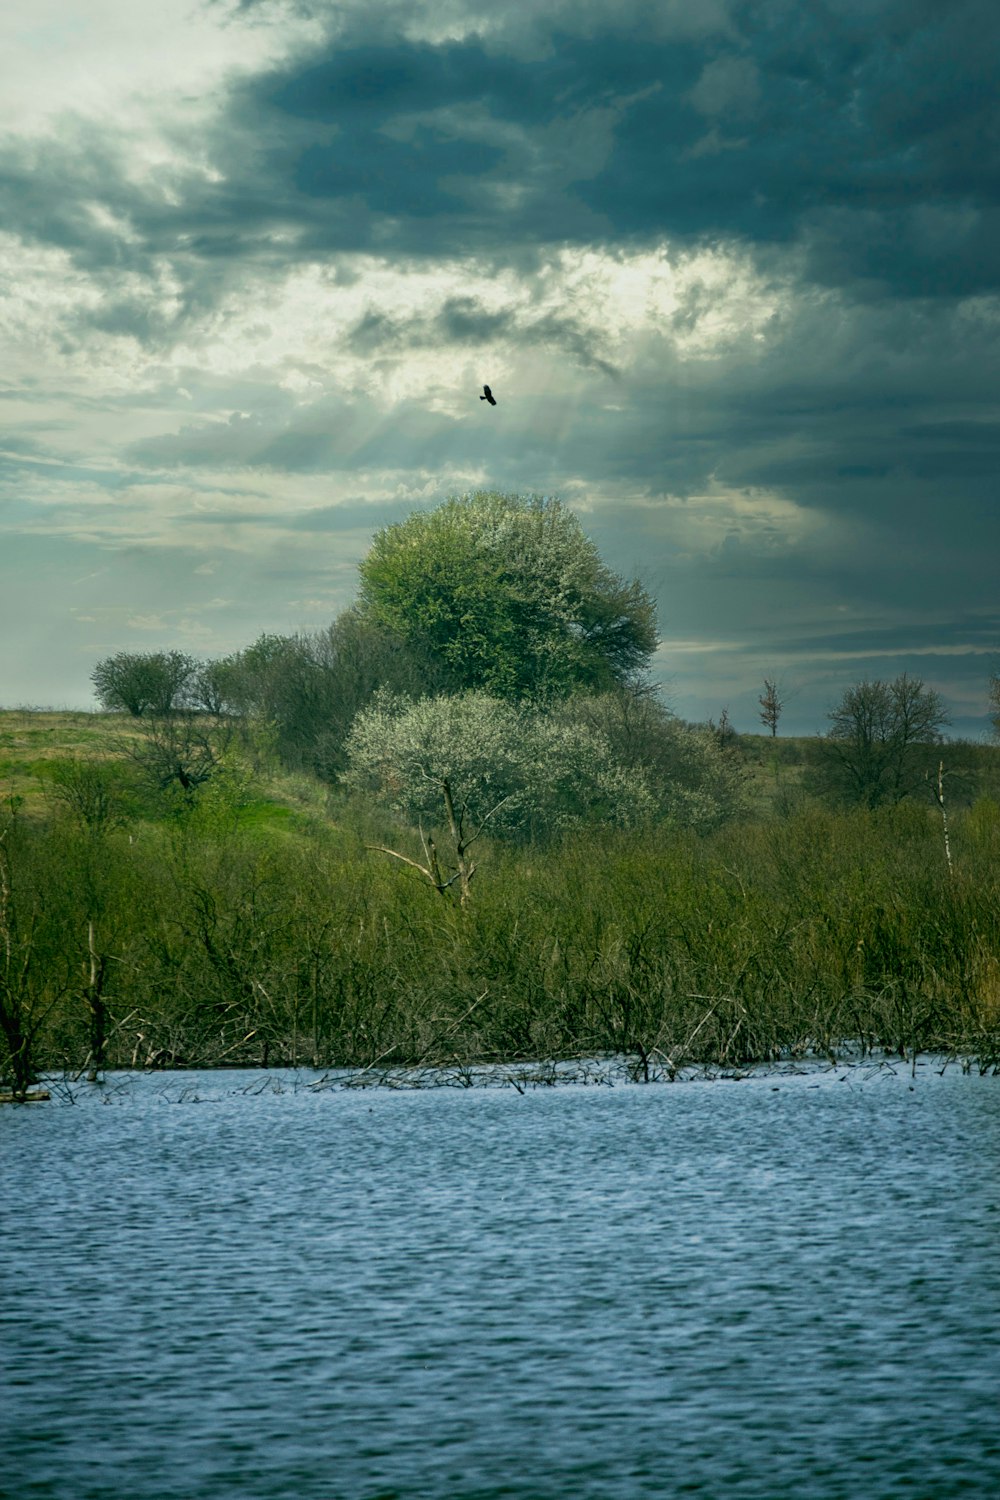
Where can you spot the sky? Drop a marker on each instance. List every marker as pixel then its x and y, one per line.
pixel 732 269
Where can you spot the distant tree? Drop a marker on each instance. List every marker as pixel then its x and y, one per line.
pixel 877 731
pixel 994 702
pixel 151 682
pixel 300 693
pixel 725 733
pixel 357 656
pixel 214 687
pixel 461 766
pixel 508 596
pixel 277 689
pixel 250 679
pixel 771 704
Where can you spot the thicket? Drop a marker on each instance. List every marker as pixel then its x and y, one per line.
pixel 220 936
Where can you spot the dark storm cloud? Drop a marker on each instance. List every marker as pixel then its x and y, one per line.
pixel 846 151
pixel 867 135
pixel 464 321
pixel 872 134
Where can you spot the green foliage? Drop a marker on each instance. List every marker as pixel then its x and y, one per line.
pixel 214 687
pixel 152 682
pixel 29 923
pixel 509 596
pixel 98 794
pixel 213 942
pixel 358 657
pixel 694 780
pixel 300 693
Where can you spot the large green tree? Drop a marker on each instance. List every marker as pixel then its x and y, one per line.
pixel 508 595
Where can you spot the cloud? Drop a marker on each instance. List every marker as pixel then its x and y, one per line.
pixel 728 87
pixel 729 268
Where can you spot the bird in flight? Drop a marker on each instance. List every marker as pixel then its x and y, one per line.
pixel 488 396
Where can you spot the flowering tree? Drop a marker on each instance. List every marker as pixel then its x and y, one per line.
pixel 472 763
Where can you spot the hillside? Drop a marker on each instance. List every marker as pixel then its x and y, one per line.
pixel 37 746
pixel 783 773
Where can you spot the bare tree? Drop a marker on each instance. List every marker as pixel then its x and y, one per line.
pixel 94 792
pixel 181 752
pixel 771 703
pixel 876 733
pixel 994 701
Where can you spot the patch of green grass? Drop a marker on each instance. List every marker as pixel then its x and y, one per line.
pixel 262 814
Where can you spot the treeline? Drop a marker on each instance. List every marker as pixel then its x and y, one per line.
pixel 299 692
pixel 497 609
pixel 501 595
pixel 214 940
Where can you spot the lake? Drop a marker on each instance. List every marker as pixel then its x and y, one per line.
pixel 232 1285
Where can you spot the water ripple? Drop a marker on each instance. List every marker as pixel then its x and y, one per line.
pixel 742 1289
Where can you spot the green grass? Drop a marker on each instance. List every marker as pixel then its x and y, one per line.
pixel 35 745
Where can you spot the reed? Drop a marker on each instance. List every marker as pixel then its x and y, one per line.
pixel 210 940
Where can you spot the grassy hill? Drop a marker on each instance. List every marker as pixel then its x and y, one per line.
pixel 38 746
pixel 783 773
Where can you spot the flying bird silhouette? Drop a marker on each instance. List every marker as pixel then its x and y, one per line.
pixel 489 396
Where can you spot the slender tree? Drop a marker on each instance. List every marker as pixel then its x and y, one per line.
pixel 771 704
pixel 994 702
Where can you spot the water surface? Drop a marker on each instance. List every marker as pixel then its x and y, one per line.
pixel 217 1285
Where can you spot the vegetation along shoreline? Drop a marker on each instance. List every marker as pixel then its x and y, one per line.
pixel 460 827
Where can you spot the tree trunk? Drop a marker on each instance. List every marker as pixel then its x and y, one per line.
pixel 466 869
